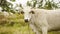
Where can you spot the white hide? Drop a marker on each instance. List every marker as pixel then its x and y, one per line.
pixel 43 20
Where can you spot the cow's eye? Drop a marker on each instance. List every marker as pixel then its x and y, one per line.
pixel 16 10
pixel 22 12
pixel 32 12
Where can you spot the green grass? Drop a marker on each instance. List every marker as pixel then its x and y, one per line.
pixel 16 25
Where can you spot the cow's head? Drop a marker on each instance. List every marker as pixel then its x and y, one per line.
pixel 27 14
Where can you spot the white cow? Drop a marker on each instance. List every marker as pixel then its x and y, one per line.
pixel 41 20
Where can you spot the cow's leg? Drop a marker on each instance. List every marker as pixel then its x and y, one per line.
pixel 34 29
pixel 37 32
pixel 44 30
pixel 44 25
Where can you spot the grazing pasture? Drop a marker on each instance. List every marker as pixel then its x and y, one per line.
pixel 15 25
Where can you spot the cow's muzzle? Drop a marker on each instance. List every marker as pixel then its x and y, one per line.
pixel 26 20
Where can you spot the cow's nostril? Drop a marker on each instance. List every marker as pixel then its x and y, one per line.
pixel 26 20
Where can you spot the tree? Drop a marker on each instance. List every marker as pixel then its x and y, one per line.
pixel 48 4
pixel 5 5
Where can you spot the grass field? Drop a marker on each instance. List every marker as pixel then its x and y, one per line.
pixel 16 25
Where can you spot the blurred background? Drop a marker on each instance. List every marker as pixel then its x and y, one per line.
pixel 11 19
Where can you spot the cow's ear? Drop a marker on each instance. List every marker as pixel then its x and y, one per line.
pixel 22 12
pixel 32 12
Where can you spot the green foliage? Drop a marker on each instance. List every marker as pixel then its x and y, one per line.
pixel 28 3
pixel 48 5
pixel 5 6
pixel 34 3
pixel 12 0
